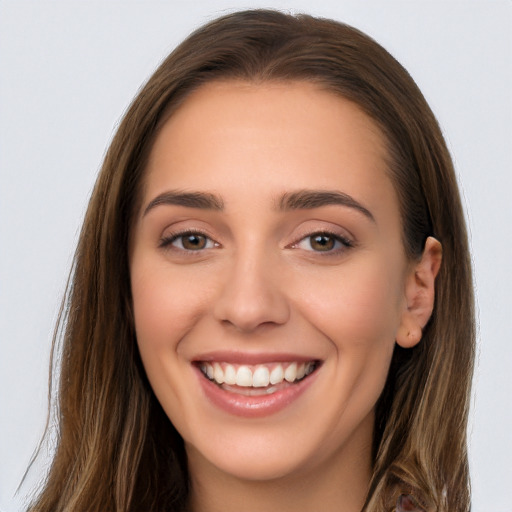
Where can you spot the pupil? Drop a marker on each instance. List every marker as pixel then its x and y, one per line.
pixel 322 242
pixel 194 242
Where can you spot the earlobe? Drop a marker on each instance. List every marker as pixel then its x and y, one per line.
pixel 419 294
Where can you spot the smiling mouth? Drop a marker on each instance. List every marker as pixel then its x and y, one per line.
pixel 260 379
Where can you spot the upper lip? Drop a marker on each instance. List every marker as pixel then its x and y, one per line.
pixel 252 358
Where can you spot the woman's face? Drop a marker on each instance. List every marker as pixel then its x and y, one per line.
pixel 268 277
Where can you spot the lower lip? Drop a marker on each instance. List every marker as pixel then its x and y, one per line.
pixel 254 406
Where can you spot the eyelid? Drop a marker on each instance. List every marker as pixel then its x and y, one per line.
pixel 166 241
pixel 343 238
pixel 318 226
pixel 344 241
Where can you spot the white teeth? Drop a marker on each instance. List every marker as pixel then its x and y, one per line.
pixel 229 375
pixel 218 374
pixel 259 377
pixel 209 371
pixel 277 375
pixel 243 376
pixel 290 374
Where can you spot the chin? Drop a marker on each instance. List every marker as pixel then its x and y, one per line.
pixel 243 462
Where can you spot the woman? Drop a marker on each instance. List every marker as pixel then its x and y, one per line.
pixel 259 313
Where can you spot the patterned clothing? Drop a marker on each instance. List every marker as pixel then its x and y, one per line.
pixel 407 503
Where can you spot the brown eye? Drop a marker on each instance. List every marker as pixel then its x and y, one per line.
pixel 322 242
pixel 193 242
pixel 188 241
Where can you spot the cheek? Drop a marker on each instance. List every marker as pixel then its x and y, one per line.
pixel 358 306
pixel 359 314
pixel 165 307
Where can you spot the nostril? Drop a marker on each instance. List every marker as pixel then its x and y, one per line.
pixel 251 294
pixel 247 313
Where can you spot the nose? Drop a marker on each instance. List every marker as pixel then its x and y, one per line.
pixel 252 295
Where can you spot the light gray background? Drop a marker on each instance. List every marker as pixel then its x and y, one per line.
pixel 68 70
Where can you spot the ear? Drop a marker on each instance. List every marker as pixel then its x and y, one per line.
pixel 419 294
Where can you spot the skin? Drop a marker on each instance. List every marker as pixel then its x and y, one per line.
pixel 256 284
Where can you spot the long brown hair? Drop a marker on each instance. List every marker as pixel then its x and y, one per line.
pixel 117 450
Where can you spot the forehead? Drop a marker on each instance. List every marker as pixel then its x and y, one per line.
pixel 272 135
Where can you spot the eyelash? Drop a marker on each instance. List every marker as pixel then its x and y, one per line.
pixel 167 241
pixel 342 242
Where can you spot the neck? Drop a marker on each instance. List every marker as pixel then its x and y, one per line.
pixel 336 484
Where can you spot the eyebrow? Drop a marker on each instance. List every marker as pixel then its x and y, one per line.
pixel 201 200
pixel 310 199
pixel 299 200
